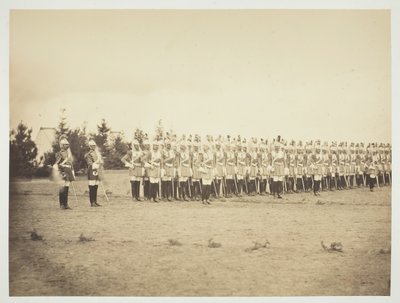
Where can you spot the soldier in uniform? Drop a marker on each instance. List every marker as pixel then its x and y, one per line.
pixel 263 165
pixel 184 171
pixel 358 167
pixel 232 186
pixel 388 164
pixel 252 169
pixel 94 161
pixel 154 169
pixel 220 162
pixel 241 167
pixel 146 159
pixel 334 168
pixel 134 160
pixel 300 167
pixel 346 154
pixel 308 167
pixel 316 163
pixel 326 177
pixel 278 164
pixel 352 171
pixel 206 171
pixel 168 161
pixel 64 166
pixel 196 175
pixel 372 162
pixel 291 162
pixel 341 168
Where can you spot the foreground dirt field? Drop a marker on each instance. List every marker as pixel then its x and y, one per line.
pixel 131 254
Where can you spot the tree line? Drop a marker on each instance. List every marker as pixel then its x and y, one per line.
pixel 23 150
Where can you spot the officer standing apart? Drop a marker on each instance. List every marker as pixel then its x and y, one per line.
pixel 64 166
pixel 94 161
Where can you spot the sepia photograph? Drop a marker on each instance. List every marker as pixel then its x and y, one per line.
pixel 199 152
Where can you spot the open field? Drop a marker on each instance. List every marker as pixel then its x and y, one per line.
pixel 131 254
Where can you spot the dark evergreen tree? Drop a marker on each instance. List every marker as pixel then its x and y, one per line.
pixel 117 149
pixel 23 152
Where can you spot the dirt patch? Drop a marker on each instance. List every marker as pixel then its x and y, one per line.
pixel 136 251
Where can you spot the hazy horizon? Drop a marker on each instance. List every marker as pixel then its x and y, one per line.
pixel 301 74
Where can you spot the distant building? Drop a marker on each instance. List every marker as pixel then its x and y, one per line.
pixel 44 141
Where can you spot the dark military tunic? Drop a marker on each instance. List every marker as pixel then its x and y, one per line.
pixel 92 157
pixel 64 162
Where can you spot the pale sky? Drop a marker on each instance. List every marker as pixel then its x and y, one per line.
pixel 303 74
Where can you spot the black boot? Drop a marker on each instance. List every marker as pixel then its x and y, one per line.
pixel 279 189
pixel 154 191
pixel 371 184
pixel 208 192
pixel 61 196
pixel 95 195
pixel 137 190
pixel 91 189
pixel 66 189
pixel 316 187
pixel 184 190
pixel 133 190
pixel 146 189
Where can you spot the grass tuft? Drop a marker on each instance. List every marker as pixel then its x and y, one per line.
pixel 35 236
pixel 82 238
pixel 257 246
pixel 173 242
pixel 334 247
pixel 213 244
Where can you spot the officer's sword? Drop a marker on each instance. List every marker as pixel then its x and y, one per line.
pixel 104 191
pixel 73 189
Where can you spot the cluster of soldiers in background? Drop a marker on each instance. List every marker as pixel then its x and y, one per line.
pixel 193 169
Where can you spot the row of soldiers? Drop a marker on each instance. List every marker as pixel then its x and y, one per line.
pixel 191 169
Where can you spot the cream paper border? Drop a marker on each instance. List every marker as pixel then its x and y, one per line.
pixel 5 6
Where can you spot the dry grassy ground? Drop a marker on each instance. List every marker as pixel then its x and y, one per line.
pixel 148 249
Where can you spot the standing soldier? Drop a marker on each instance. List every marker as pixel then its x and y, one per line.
pixel 291 162
pixel 154 169
pixel 381 164
pixel 184 171
pixel 389 147
pixel 300 166
pixel 175 181
pixel 146 178
pixel 196 175
pixel 341 168
pixel 352 171
pixel 347 166
pixel 64 166
pixel 334 169
pixel 372 162
pixel 168 161
pixel 263 164
pixel 232 186
pixel 252 169
pixel 94 161
pixel 134 159
pixel 316 161
pixel 206 171
pixel 326 177
pixel 241 167
pixel 220 162
pixel 359 166
pixel 308 167
pixel 388 164
pixel 278 164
